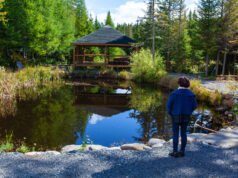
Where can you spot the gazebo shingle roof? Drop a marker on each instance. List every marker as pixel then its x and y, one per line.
pixel 105 35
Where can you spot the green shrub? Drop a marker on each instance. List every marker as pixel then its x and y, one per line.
pixel 124 75
pixel 23 149
pixel 107 72
pixel 144 69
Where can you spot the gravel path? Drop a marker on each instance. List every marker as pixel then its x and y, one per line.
pixel 200 161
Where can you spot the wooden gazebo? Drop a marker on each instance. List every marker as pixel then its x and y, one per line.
pixel 104 38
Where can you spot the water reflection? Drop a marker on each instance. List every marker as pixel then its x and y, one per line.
pixel 109 113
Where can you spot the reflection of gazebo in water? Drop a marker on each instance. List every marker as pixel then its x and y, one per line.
pixel 104 38
pixel 104 104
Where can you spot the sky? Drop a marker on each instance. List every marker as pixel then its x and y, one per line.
pixel 123 10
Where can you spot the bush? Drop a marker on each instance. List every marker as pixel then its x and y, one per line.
pixel 124 75
pixel 144 69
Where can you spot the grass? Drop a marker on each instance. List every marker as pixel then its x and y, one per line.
pixel 7 145
pixel 20 84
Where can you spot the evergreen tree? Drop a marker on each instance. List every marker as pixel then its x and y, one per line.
pixel 81 22
pixel 2 14
pixel 230 27
pixel 97 24
pixel 195 40
pixel 109 20
pixel 208 25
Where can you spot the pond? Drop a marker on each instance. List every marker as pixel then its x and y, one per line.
pixel 109 113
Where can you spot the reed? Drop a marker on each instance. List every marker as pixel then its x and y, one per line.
pixel 20 84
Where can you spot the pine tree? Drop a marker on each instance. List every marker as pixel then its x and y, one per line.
pixel 97 25
pixel 230 27
pixel 208 25
pixel 81 22
pixel 2 14
pixel 109 20
pixel 195 39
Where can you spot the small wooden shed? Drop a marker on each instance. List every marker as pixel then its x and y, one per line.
pixel 104 38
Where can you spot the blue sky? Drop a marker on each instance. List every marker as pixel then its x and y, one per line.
pixel 122 10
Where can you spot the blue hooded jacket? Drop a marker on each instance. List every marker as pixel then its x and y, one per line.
pixel 181 101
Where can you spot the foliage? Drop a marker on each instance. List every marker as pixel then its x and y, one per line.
pixel 202 94
pixel 19 84
pixel 7 145
pixel 144 69
pixel 109 20
pixel 2 14
pixel 143 99
pixel 124 75
pixel 86 141
pixel 107 72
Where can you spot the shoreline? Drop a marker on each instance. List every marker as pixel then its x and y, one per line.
pixel 201 160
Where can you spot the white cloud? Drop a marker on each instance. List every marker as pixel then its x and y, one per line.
pixel 193 6
pixel 126 13
pixel 95 118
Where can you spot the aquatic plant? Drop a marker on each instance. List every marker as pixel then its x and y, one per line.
pixel 144 69
pixel 7 145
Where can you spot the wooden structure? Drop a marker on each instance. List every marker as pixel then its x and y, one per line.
pixel 104 38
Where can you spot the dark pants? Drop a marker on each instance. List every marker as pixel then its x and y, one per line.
pixel 180 122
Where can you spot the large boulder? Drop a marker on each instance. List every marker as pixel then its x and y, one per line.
pixel 40 153
pixel 156 141
pixel 69 148
pixel 133 146
pixel 95 147
pixel 114 148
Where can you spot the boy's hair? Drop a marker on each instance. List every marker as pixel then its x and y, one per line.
pixel 184 82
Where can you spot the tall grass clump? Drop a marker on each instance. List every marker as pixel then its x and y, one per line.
pixel 144 69
pixel 202 94
pixel 29 80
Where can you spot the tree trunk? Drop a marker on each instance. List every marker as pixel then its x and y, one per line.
pixel 207 60
pixel 217 62
pixel 224 64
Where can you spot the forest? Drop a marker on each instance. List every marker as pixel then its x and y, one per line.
pixel 205 40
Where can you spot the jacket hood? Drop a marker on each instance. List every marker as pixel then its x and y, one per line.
pixel 184 92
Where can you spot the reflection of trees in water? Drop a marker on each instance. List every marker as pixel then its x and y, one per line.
pixel 49 121
pixel 149 106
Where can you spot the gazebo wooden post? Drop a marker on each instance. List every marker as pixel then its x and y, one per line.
pixel 105 56
pixel 84 55
pixel 108 58
pixel 74 64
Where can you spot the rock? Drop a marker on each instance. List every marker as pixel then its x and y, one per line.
pixel 220 109
pixel 134 146
pixel 53 153
pixel 69 148
pixel 228 103
pixel 194 136
pixel 114 148
pixel 228 96
pixel 41 153
pixel 230 115
pixel 95 147
pixel 146 147
pixel 226 113
pixel 155 141
pixel 158 145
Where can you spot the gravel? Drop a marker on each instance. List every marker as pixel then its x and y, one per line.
pixel 200 161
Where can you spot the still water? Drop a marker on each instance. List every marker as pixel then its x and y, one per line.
pixel 109 113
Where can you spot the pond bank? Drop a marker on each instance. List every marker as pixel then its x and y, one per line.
pixel 201 160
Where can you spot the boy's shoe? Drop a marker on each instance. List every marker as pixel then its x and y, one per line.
pixel 181 154
pixel 174 154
